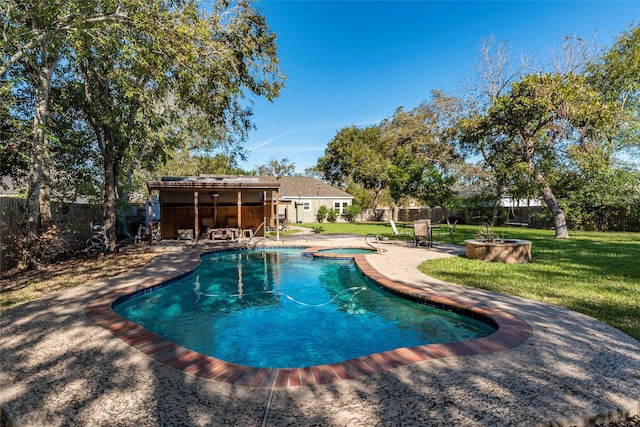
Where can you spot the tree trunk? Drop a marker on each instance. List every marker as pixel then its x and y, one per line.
pixel 562 231
pixel 559 220
pixel 376 198
pixel 496 205
pixel 109 206
pixel 38 206
pixel 38 193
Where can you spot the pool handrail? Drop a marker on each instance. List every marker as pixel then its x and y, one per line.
pixel 366 240
pixel 253 235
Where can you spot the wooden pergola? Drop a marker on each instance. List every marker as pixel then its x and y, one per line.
pixel 189 206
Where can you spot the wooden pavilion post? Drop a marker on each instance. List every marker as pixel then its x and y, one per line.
pixel 264 213
pixel 239 212
pixel 196 217
pixel 272 221
pixel 214 196
pixel 150 216
pixel 277 216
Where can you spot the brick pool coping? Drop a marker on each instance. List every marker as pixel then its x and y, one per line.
pixel 511 332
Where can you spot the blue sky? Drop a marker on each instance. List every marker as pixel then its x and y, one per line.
pixel 354 62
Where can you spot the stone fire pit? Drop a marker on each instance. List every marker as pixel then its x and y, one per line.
pixel 509 251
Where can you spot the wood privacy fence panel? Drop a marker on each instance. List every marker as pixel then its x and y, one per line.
pixel 11 214
pixel 610 219
pixel 72 220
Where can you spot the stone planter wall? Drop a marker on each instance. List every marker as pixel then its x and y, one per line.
pixel 507 251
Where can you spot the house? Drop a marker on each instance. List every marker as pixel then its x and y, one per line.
pixel 203 206
pixel 305 196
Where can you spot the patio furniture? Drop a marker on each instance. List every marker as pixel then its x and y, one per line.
pixel 422 232
pixel 212 232
pixel 405 237
pixel 232 233
pixel 393 227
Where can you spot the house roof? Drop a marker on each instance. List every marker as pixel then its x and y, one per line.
pixel 213 182
pixel 307 187
pixel 288 186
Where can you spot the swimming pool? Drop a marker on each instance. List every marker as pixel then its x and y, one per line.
pixel 279 309
pixel 336 252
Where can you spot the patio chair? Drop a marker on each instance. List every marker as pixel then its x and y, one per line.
pixel 422 231
pixel 404 237
pixel 393 227
pixel 448 233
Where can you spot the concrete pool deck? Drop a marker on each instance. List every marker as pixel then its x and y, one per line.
pixel 59 368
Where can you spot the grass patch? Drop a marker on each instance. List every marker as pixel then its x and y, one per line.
pixel 381 229
pixel 593 273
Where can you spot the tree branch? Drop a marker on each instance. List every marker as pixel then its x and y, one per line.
pixel 60 27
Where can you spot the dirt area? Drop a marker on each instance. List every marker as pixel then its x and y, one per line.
pixel 18 286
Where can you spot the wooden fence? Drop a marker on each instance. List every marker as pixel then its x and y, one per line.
pixel 613 219
pixel 73 222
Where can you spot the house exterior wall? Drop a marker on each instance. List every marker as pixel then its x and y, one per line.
pixel 304 209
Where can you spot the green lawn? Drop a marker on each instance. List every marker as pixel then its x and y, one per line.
pixel 597 274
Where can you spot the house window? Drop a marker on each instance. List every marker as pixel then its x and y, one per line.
pixel 306 206
pixel 340 207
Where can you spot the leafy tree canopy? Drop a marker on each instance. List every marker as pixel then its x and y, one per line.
pixel 277 168
pixel 139 79
pixel 358 155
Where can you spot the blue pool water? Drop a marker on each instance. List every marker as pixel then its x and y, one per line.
pixel 346 251
pixel 279 309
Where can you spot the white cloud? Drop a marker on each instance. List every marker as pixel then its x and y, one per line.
pixel 268 141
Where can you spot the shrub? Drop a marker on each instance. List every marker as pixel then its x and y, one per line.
pixel 322 213
pixel 332 215
pixel 317 229
pixel 351 213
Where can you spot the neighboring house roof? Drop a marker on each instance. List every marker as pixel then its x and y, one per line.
pixel 307 187
pixel 505 201
pixel 468 192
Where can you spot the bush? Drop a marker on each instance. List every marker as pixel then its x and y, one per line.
pixel 351 213
pixel 322 213
pixel 317 229
pixel 332 215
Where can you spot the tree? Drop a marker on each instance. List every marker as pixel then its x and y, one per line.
pixel 170 77
pixel 358 155
pixel 14 132
pixel 495 73
pixel 277 168
pixel 526 128
pixel 35 39
pixel 221 164
pixel 614 74
pixel 590 204
pixel 423 152
pixel 313 172
pixel 539 115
